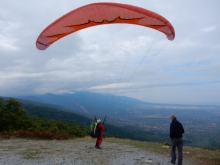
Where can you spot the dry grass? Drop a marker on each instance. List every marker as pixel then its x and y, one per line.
pixel 31 154
pixel 38 135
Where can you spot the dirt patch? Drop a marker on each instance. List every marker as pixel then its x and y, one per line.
pixel 82 152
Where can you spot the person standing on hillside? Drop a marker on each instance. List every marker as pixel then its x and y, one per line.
pixel 176 131
pixel 99 138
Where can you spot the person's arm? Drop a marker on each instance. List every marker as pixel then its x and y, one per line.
pixel 102 128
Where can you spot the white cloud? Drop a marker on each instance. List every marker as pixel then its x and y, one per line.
pixel 209 29
pixel 110 86
pixel 7 44
pixel 60 92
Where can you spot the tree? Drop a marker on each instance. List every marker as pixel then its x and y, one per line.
pixel 1 103
pixel 12 104
pixel 12 117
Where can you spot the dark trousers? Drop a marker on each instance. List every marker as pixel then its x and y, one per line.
pixel 177 143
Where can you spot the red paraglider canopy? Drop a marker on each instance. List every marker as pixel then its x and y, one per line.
pixel 99 14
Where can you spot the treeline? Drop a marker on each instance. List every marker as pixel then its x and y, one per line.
pixel 15 121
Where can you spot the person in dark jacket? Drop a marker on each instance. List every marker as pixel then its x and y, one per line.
pixel 99 138
pixel 176 131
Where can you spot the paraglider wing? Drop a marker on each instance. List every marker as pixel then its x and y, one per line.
pixel 99 14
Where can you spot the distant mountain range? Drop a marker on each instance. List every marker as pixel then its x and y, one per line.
pixel 88 103
pixel 117 107
pixel 141 119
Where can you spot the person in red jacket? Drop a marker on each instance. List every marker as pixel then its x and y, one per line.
pixel 99 138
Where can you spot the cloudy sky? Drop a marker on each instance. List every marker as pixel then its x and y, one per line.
pixel 120 59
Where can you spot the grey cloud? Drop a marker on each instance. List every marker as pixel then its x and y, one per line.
pixel 113 58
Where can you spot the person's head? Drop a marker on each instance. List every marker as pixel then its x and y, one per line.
pixel 99 121
pixel 173 117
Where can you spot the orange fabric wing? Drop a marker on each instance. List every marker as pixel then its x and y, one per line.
pixel 99 14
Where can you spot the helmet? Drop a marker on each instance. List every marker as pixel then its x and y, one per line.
pixel 99 121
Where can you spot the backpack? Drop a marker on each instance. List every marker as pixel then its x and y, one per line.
pixel 94 130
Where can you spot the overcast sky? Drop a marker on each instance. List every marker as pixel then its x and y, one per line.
pixel 120 59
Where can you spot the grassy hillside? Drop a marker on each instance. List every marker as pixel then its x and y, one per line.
pixel 15 121
pixel 46 119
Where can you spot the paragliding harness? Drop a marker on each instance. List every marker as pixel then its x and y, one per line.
pixel 95 129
